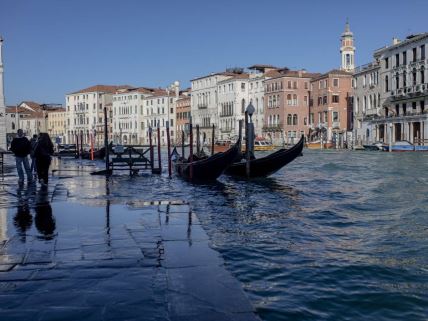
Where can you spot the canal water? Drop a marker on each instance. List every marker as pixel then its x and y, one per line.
pixel 335 235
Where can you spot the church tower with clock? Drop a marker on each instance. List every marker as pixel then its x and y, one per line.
pixel 347 49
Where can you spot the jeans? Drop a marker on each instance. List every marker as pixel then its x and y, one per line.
pixel 23 161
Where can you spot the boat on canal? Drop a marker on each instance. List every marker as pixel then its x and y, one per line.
pixel 374 147
pixel 260 144
pixel 265 166
pixel 205 168
pixel 98 154
pixel 318 145
pixel 405 146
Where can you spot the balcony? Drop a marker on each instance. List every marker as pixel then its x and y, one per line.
pixel 273 128
pixel 336 125
pixel 202 106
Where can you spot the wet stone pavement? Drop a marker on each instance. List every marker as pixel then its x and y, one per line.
pixel 61 259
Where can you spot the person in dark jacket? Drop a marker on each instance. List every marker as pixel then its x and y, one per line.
pixel 43 152
pixel 21 147
pixel 33 143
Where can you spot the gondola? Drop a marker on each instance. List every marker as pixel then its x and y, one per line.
pixel 265 166
pixel 98 154
pixel 206 169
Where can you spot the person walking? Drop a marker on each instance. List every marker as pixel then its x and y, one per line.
pixel 21 147
pixel 33 143
pixel 43 152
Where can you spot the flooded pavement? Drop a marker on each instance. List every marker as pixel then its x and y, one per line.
pixel 98 258
pixel 333 236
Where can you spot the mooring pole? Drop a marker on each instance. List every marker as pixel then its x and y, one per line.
pixel 159 149
pixel 169 148
pixel 76 137
pixel 81 143
pixel 212 140
pixel 191 149
pixel 151 148
pixel 198 141
pixel 240 134
pixel 247 147
pixel 182 143
pixel 106 140
pixel 92 146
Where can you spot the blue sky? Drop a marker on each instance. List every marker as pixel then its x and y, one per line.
pixel 53 47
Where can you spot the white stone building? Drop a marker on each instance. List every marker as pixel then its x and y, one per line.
pixel 204 102
pixel 85 112
pixel 232 102
pixel 403 80
pixel 159 108
pixel 128 125
pixel 367 102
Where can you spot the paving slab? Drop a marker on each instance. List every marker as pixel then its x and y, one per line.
pixel 61 259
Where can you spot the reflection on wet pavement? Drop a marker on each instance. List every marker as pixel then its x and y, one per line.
pixel 84 249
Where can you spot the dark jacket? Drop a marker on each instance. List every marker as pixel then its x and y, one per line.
pixel 44 149
pixel 33 143
pixel 20 146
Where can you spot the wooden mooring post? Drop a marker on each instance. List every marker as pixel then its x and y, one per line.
pixel 212 140
pixel 159 150
pixel 169 149
pixel 191 149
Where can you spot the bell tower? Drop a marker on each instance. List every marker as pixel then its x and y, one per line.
pixel 347 49
pixel 2 103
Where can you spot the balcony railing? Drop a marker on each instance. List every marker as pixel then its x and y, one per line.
pixel 202 106
pixel 336 124
pixel 273 128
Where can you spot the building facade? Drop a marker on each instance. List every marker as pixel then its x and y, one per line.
pixel 330 116
pixel 57 120
pixel 204 102
pixel 182 108
pixel 128 125
pixel 160 109
pixel 403 87
pixel 85 112
pixel 366 102
pixel 232 99
pixel 286 100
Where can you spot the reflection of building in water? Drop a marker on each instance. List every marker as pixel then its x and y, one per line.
pixel 3 225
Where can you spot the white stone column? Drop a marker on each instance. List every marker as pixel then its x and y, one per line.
pixel 2 103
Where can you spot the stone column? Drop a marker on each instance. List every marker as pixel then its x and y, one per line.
pixel 3 143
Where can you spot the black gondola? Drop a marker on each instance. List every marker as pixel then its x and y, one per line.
pixel 265 166
pixel 206 169
pixel 98 154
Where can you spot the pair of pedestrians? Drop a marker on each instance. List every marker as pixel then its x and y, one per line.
pixel 42 151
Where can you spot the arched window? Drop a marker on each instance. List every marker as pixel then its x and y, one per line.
pixel 364 104
pixel 397 81
pixel 374 101
pixel 386 83
pixel 274 101
pixel 257 105
pixel 295 100
pixel 370 102
pixel 414 76
pixel 422 75
pixel 277 101
pixel 289 102
pixel 289 119
pixel 404 79
pixel 378 100
pixel 295 119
